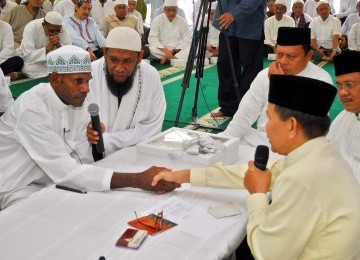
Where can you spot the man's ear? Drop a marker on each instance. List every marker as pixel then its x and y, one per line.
pixel 293 127
pixel 141 54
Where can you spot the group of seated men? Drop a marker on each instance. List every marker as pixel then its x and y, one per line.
pixel 28 33
pixel 327 34
pixel 46 137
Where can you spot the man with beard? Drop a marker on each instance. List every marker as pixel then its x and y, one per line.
pixel 128 92
pixel 21 15
pixel 42 136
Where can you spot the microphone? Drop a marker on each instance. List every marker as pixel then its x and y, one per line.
pixel 93 109
pixel 261 157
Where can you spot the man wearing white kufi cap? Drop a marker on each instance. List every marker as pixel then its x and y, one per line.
pixel 120 18
pixel 101 9
pixel 273 23
pixel 301 19
pixel 160 10
pixel 42 36
pixel 169 36
pixel 43 140
pixel 325 33
pixel 128 91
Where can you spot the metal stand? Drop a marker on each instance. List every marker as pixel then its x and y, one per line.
pixel 198 50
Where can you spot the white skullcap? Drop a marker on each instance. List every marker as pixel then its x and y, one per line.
pixel 121 2
pixel 298 1
pixel 280 2
pixel 53 18
pixel 171 3
pixel 321 2
pixel 68 59
pixel 124 38
pixel 214 5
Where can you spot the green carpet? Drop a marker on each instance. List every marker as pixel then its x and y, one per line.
pixel 172 78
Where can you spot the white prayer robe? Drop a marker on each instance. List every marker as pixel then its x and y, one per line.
pixel 6 42
pixel 349 22
pixel 8 6
pixel 173 34
pixel 347 7
pixel 140 22
pixel 36 134
pixel 141 112
pixel 6 98
pixel 99 12
pixel 33 48
pixel 271 28
pixel 65 7
pixel 345 134
pixel 323 31
pixel 354 37
pixel 254 104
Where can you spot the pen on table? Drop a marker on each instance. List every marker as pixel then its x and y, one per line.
pixel 70 189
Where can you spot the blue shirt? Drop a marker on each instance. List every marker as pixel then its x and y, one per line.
pixel 249 18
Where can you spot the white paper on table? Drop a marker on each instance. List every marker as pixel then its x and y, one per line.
pixel 190 218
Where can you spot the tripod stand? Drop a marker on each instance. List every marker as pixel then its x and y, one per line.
pixel 198 49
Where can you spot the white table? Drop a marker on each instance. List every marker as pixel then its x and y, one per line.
pixel 57 224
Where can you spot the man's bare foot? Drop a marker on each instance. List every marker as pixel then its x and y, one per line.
pixel 218 114
pixel 163 61
pixel 14 75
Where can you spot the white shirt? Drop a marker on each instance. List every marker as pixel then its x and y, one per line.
pixel 345 134
pixel 36 134
pixel 140 21
pixel 6 98
pixel 33 46
pixel 346 7
pixel 141 112
pixel 354 37
pixel 65 7
pixel 323 31
pixel 253 104
pixel 155 4
pixel 6 42
pixel 6 8
pixel 310 8
pixel 172 35
pixel 99 12
pixel 272 25
pixel 350 21
pixel 47 6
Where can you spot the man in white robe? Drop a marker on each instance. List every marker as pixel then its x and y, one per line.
pixel 345 129
pixel 101 9
pixel 128 92
pixel 5 6
pixel 42 136
pixel 6 98
pixel 65 7
pixel 42 36
pixel 169 36
pixel 293 55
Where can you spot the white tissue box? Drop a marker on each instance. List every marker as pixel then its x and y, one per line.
pixel 170 144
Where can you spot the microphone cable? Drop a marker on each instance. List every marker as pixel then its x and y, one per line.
pixel 73 151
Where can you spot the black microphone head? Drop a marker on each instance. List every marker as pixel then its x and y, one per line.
pixel 261 157
pixel 93 109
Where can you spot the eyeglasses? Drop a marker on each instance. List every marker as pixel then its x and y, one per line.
pixel 157 221
pixel 347 85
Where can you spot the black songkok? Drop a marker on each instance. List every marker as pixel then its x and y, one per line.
pixel 290 36
pixel 306 95
pixel 347 62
